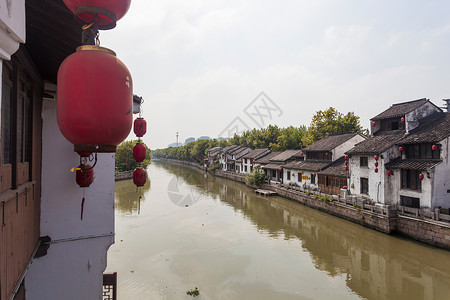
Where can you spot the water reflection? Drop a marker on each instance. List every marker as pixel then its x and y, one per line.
pixel 127 196
pixel 375 265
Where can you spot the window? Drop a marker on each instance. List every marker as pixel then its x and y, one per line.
pixel 364 185
pixel 245 168
pixel 421 151
pixel 288 175
pixel 363 161
pixel 274 173
pixel 410 180
pixel 313 179
pixel 410 202
pixel 245 162
pixel 299 177
pixel 394 125
pixel 251 168
pixel 319 155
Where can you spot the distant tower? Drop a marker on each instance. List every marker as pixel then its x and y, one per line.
pixel 177 138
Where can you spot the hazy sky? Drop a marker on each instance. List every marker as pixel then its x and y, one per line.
pixel 200 63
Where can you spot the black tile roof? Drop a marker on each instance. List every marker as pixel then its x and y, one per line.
pixel 432 129
pixel 255 153
pixel 229 148
pixel 273 166
pixel 413 164
pixel 285 155
pixel 330 142
pixel 266 159
pixel 400 109
pixel 337 168
pixel 314 166
pixel 378 143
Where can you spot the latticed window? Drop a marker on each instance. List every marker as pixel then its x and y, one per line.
pixel 364 185
pixel 410 180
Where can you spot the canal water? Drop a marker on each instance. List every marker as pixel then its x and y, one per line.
pixel 194 230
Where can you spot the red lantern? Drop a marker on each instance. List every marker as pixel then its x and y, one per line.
pixel 434 147
pixel 346 168
pixel 389 173
pixel 376 170
pixel 326 154
pixel 376 157
pixel 344 187
pixel 400 149
pixel 140 127
pixel 104 12
pixel 374 123
pixel 346 157
pixel 139 152
pixel 314 174
pixel 302 154
pixel 85 176
pixel 281 169
pixel 346 162
pixel 421 177
pixel 403 119
pixel 139 176
pixel 376 164
pixel 95 94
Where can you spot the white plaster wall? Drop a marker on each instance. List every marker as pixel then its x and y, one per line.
pixel 441 179
pixel 376 185
pixel 72 269
pixel 340 150
pixel 12 27
pixel 306 178
pixel 413 117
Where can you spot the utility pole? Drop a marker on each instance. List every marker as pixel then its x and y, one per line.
pixel 177 138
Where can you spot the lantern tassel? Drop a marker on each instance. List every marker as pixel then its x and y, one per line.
pixel 82 204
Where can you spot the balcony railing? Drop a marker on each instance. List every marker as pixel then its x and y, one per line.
pixel 110 286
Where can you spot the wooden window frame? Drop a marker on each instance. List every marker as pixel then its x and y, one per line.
pixel 364 188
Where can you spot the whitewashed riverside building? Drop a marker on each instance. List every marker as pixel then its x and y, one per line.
pixel 224 155
pixel 235 162
pixel 318 157
pixel 249 160
pixel 274 169
pixel 397 165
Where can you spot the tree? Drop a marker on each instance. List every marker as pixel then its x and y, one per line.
pixel 124 157
pixel 256 177
pixel 331 121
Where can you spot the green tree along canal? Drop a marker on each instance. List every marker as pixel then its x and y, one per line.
pixel 233 244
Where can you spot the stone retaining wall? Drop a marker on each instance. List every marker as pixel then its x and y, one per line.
pixel 431 232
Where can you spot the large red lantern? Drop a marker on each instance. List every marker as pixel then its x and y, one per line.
pixel 84 175
pixel 95 94
pixel 421 177
pixel 104 12
pixel 140 127
pixel 139 152
pixel 139 176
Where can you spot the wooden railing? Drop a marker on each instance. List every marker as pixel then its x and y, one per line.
pixel 19 235
pixel 109 286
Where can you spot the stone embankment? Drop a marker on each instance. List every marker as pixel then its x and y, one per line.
pixel 429 227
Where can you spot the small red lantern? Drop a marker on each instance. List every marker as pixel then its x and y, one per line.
pixel 85 175
pixel 139 176
pixel 376 164
pixel 346 162
pixel 344 187
pixel 376 170
pixel 403 119
pixel 140 127
pixel 374 123
pixel 326 154
pixel 389 173
pixel 376 157
pixel 302 154
pixel 434 147
pixel 139 152
pixel 421 177
pixel 314 174
pixel 281 169
pixel 95 94
pixel 346 157
pixel 104 12
pixel 346 168
pixel 400 149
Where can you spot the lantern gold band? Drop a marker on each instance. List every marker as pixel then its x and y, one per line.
pixel 95 148
pixel 95 48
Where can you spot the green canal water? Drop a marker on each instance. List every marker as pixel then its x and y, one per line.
pixel 195 230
